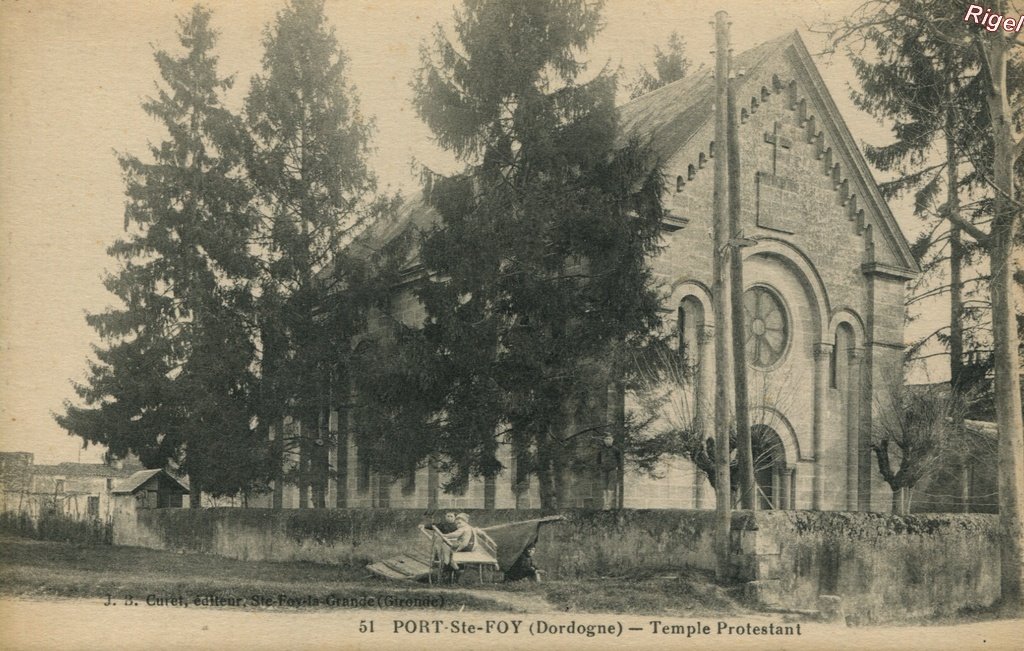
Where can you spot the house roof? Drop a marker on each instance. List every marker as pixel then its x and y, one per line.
pixel 71 469
pixel 139 478
pixel 414 213
pixel 671 116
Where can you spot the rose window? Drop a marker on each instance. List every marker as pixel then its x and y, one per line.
pixel 767 330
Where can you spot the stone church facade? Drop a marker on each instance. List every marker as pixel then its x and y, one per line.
pixel 824 294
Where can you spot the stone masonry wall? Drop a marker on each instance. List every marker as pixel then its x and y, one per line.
pixel 881 567
pixel 587 543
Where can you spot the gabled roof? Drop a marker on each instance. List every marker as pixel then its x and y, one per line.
pixel 675 113
pixel 670 116
pixel 414 212
pixel 139 478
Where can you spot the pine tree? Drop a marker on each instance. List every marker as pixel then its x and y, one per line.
pixel 998 75
pixel 538 281
pixel 308 166
pixel 173 382
pixel 670 65
pixel 921 80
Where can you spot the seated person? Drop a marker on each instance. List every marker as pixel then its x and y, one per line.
pixel 463 539
pixel 524 568
pixel 445 526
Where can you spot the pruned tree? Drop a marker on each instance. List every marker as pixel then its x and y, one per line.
pixel 173 382
pixel 918 430
pixel 677 420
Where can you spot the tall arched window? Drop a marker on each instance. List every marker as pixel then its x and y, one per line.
pixel 691 324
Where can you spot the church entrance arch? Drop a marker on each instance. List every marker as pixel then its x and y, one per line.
pixel 771 472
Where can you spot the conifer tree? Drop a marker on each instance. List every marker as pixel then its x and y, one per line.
pixel 670 65
pixel 922 80
pixel 538 280
pixel 173 381
pixel 308 167
pixel 998 74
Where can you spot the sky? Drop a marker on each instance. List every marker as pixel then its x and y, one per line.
pixel 73 75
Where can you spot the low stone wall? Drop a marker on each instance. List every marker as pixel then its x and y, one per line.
pixel 587 543
pixel 882 567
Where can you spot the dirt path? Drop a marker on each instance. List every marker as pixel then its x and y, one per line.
pixel 89 624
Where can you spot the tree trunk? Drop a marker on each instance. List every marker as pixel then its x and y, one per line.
pixel 1004 328
pixel 546 485
pixel 341 472
pixel 617 413
pixel 384 481
pixel 317 486
pixel 965 486
pixel 303 469
pixel 956 256
pixel 490 492
pixel 558 474
pixel 899 503
pixel 277 501
pixel 1007 391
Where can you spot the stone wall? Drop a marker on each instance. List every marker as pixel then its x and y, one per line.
pixel 881 567
pixel 587 543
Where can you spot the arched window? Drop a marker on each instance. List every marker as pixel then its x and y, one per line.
pixel 680 183
pixel 690 326
pixel 691 172
pixel 840 353
pixel 770 471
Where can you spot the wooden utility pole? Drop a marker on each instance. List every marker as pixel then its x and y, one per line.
pixel 720 290
pixel 744 445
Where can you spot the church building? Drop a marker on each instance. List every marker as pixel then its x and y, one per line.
pixel 825 273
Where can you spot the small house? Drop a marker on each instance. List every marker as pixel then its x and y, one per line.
pixel 152 489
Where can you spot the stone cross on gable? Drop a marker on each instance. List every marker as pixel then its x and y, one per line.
pixel 777 140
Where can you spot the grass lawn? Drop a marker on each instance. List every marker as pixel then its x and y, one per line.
pixel 38 568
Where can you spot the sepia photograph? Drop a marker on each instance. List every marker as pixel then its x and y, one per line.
pixel 352 324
